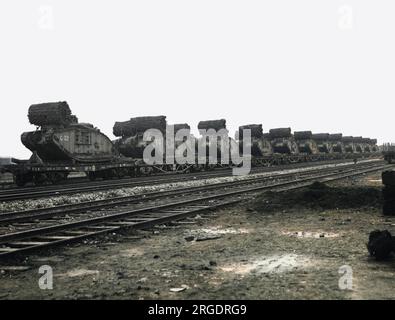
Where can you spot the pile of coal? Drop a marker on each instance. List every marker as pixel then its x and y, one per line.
pixel 381 244
pixel 388 178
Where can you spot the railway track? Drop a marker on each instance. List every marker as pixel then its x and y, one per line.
pixel 24 232
pixel 28 193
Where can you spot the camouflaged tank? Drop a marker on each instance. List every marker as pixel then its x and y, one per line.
pixel 305 142
pixel 323 143
pixel 348 143
pixel 208 142
pixel 336 142
pixel 131 143
pixel 282 141
pixel 60 138
pixel 359 144
pixel 259 144
pixel 373 145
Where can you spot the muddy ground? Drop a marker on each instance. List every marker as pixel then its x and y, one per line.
pixel 278 246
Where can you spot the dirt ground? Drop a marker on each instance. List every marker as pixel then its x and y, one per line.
pixel 278 246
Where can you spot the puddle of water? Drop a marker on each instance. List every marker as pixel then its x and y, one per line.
pixel 217 231
pixel 269 264
pixel 132 252
pixel 309 234
pixel 49 259
pixel 79 273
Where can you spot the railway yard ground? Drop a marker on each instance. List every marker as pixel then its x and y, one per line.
pixel 288 245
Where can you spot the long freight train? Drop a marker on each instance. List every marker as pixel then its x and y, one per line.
pixel 61 145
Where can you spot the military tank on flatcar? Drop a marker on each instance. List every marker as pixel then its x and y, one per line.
pixel 358 144
pixel 370 145
pixel 260 145
pixel 305 142
pixel 365 144
pixel 188 140
pixel 131 143
pixel 60 138
pixel 336 142
pixel 373 145
pixel 348 142
pixel 206 141
pixel 282 141
pixel 323 143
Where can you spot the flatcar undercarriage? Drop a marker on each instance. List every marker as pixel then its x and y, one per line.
pixel 52 173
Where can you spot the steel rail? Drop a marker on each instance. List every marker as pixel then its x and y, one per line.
pixel 33 214
pixel 72 231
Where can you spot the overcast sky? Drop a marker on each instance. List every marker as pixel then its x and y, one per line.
pixel 325 66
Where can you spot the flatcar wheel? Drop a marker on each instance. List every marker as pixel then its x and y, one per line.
pixel 56 177
pixel 39 179
pixel 147 171
pixel 122 173
pixel 109 174
pixel 20 180
pixel 92 176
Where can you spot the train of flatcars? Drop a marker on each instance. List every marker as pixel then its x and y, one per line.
pixel 61 145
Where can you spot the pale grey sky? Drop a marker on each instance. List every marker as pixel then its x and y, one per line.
pixel 320 65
